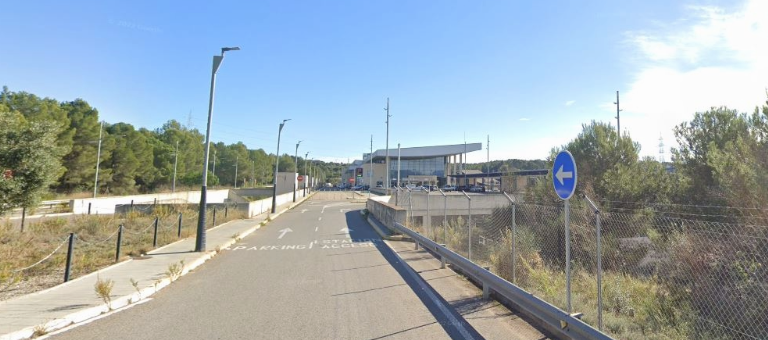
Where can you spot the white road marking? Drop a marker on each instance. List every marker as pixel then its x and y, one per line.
pixel 283 231
pixel 319 218
pixel 345 230
pixel 304 210
pixel 316 228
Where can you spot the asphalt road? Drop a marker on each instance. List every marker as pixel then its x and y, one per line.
pixel 316 272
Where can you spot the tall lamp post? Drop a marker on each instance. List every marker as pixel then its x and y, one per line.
pixel 277 162
pixel 98 160
pixel 237 161
pixel 200 240
pixel 296 163
pixel 306 176
pixel 175 162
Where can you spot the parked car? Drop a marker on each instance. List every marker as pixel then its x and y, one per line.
pixel 476 188
pixel 449 188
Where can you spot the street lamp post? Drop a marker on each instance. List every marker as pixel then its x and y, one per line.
pixel 277 162
pixel 237 161
pixel 98 160
pixel 296 163
pixel 306 176
pixel 310 175
pixel 200 240
pixel 175 163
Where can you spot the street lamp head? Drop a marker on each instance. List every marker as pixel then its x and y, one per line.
pixel 225 49
pixel 283 124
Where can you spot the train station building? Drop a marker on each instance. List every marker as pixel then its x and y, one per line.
pixel 427 165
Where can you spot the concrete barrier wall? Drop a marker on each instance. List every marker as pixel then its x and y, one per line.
pixel 454 204
pixel 387 214
pixel 264 205
pixel 106 205
pixel 252 208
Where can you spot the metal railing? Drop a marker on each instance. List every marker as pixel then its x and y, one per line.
pixel 558 321
pixel 635 273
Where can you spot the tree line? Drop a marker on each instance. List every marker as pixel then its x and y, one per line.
pixel 721 162
pixel 50 147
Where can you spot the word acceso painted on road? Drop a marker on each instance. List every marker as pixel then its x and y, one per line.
pixel 321 244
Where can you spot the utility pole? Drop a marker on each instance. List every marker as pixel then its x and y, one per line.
pixel 488 161
pixel 618 120
pixel 237 160
pixel 370 173
pixel 175 162
pixel 386 184
pixel 398 166
pixel 98 160
pixel 253 174
pixel 464 160
pixel 306 176
pixel 296 163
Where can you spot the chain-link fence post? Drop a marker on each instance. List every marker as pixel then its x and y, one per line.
pixel 596 211
pixel 445 219
pixel 514 236
pixel 410 208
pixel 428 218
pixel 469 225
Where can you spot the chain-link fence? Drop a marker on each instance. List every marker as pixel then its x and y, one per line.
pixel 663 276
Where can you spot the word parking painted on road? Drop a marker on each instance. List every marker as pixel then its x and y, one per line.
pixel 321 244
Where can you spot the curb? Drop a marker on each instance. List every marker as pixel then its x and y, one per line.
pixel 144 293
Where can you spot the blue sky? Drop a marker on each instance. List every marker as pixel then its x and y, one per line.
pixel 526 73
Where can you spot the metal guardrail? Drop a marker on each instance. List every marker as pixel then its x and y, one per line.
pixel 558 320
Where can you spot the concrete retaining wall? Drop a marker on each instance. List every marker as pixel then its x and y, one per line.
pixel 252 208
pixel 106 205
pixel 387 214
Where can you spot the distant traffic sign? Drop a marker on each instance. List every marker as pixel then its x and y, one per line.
pixel 300 178
pixel 351 180
pixel 564 175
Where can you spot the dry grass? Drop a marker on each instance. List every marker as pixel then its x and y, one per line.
pixel 94 247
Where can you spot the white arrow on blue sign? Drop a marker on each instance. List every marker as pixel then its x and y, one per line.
pixel 564 175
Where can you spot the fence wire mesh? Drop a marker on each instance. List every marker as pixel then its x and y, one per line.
pixel 664 276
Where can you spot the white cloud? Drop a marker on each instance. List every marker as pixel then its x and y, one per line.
pixel 708 58
pixel 570 102
pixel 524 119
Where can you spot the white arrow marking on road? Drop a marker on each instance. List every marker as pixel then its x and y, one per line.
pixel 561 175
pixel 283 232
pixel 304 210
pixel 345 230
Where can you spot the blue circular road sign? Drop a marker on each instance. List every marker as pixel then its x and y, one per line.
pixel 564 175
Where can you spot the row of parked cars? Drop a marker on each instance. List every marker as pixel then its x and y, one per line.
pixel 447 188
pixel 469 188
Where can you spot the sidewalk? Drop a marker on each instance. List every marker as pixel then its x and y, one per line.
pixel 76 300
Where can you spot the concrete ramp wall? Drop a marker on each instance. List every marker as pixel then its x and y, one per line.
pixel 106 205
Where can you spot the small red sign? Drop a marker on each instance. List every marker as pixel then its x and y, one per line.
pixel 351 180
pixel 301 178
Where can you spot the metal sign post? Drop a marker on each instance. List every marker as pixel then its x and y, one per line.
pixel 564 182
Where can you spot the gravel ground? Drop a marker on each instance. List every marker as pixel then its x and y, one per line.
pixel 31 285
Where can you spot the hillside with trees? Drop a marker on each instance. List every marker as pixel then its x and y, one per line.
pixel 50 147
